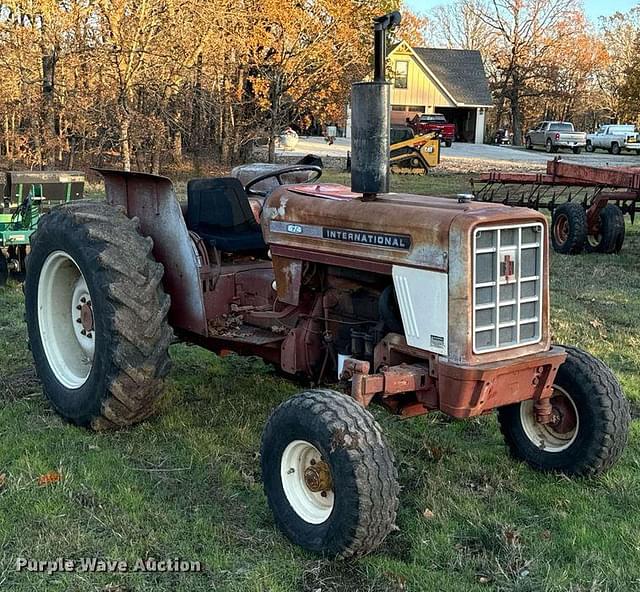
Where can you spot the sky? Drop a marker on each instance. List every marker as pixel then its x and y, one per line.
pixel 593 8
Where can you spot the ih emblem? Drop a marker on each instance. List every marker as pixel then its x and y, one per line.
pixel 508 267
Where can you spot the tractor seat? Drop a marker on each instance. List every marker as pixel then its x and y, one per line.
pixel 218 211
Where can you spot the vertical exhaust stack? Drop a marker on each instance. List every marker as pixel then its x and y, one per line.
pixel 370 120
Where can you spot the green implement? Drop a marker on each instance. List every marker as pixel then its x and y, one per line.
pixel 26 195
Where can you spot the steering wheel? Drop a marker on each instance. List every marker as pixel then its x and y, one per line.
pixel 297 168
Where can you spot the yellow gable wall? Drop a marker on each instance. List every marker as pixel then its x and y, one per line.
pixel 421 89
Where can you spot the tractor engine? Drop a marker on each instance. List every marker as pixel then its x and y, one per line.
pixel 459 279
pixel 453 284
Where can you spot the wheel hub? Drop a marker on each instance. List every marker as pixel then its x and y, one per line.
pixel 562 428
pixel 317 476
pixel 307 482
pixel 563 416
pixel 86 317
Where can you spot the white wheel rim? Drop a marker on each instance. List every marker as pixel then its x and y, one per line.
pixel 544 436
pixel 300 461
pixel 65 320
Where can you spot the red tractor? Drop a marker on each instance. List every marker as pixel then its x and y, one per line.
pixel 417 303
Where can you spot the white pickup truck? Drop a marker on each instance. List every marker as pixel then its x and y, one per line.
pixel 614 139
pixel 554 135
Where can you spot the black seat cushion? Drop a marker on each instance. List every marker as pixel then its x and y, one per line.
pixel 218 211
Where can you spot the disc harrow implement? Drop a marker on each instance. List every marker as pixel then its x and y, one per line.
pixel 587 203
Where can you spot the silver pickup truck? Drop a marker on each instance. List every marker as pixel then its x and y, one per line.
pixel 614 139
pixel 554 135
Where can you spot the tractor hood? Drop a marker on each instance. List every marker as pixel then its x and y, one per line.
pixel 394 229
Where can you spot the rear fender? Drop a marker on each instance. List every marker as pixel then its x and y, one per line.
pixel 152 199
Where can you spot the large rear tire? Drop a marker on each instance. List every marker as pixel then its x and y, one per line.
pixel 97 315
pixel 328 474
pixel 610 237
pixel 591 421
pixel 568 228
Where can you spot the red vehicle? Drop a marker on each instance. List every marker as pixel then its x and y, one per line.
pixel 433 122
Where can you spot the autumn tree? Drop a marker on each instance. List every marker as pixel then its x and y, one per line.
pixel 526 36
pixel 141 82
pixel 460 25
pixel 619 35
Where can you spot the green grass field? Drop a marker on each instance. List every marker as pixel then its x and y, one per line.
pixel 187 483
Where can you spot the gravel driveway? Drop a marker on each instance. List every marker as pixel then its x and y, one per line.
pixel 517 154
pixel 464 158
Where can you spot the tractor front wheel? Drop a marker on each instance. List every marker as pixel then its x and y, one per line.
pixel 97 315
pixel 590 421
pixel 328 474
pixel 4 270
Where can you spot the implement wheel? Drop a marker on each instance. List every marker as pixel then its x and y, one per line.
pixel 97 315
pixel 590 421
pixel 568 228
pixel 4 270
pixel 610 232
pixel 328 474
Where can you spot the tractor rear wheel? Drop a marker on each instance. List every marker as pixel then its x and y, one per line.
pixel 569 228
pixel 590 421
pixel 97 315
pixel 328 474
pixel 610 236
pixel 4 270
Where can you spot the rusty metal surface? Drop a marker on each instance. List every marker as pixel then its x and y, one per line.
pixel 560 172
pixel 315 256
pixel 594 187
pixel 411 389
pixel 466 391
pixel 153 201
pixel 302 348
pixel 436 227
pixel 530 178
pixel 288 276
pixel 627 178
pixel 426 219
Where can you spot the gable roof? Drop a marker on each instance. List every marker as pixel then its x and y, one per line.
pixel 460 71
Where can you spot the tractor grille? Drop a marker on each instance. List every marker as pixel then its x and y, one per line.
pixel 507 286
